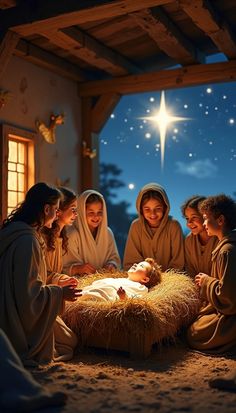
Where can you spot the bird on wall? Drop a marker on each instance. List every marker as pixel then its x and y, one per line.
pixel 49 133
pixel 88 152
pixel 62 182
pixel 4 98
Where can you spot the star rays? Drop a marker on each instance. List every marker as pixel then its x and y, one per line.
pixel 163 119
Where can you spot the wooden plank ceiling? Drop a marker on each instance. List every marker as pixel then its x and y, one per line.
pixel 123 46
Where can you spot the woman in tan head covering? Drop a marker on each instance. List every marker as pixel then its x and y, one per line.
pixel 154 233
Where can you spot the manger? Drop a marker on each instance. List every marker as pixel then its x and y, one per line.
pixel 135 324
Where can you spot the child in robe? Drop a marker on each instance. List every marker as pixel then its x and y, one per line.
pixel 154 233
pixel 91 243
pixel 56 238
pixel 29 308
pixel 198 244
pixel 140 277
pixel 215 327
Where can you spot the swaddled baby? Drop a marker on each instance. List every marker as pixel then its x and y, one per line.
pixel 140 277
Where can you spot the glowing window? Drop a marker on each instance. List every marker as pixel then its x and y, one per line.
pixel 17 169
pixel 17 172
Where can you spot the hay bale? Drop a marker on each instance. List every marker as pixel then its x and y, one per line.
pixel 169 306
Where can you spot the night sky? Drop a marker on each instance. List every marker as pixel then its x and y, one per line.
pixel 200 151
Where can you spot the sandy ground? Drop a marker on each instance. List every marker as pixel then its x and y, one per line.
pixel 172 379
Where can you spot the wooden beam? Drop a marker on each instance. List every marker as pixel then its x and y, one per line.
pixel 205 17
pixel 86 48
pixel 6 4
pixel 47 60
pixel 103 109
pixel 162 80
pixel 8 42
pixel 33 17
pixel 167 36
pixel 89 166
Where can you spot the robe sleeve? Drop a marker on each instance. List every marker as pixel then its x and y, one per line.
pixel 189 266
pixel 73 255
pixel 133 251
pixel 177 247
pixel 221 293
pixel 37 303
pixel 113 254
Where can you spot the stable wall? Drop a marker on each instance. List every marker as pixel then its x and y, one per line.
pixel 36 93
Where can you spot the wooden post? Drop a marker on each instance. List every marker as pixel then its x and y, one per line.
pixel 94 118
pixel 89 144
pixel 8 43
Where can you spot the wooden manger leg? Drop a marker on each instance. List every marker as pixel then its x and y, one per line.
pixel 140 346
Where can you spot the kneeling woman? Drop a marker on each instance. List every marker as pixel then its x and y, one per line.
pixel 28 307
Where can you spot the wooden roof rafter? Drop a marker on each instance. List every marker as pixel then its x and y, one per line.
pixel 102 110
pixel 65 13
pixel 86 48
pixel 47 60
pixel 206 18
pixel 8 43
pixel 6 4
pixel 167 36
pixel 162 80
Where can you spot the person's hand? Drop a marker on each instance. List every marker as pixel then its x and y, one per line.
pixel 121 293
pixel 73 282
pixel 199 278
pixel 109 267
pixel 70 293
pixel 82 269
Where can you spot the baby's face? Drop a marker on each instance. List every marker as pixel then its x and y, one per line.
pixel 139 272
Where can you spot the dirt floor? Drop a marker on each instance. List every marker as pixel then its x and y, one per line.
pixel 172 379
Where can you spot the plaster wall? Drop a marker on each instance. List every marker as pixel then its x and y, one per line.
pixel 35 94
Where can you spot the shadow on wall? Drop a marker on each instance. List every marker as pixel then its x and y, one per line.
pixel 119 219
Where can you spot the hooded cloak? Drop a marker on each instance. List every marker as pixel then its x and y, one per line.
pixel 215 327
pixel 29 307
pixel 198 256
pixel 82 247
pixel 165 245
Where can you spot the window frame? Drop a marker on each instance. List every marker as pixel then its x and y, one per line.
pixel 22 135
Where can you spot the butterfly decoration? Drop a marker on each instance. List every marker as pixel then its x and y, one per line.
pixel 49 133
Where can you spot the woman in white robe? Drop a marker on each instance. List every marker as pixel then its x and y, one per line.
pixel 91 243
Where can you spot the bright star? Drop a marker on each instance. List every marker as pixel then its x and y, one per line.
pixel 131 186
pixel 163 119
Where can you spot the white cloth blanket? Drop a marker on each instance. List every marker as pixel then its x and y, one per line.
pixel 106 289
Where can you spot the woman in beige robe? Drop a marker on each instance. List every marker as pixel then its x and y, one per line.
pixel 198 244
pixel 56 238
pixel 91 243
pixel 215 327
pixel 154 233
pixel 28 307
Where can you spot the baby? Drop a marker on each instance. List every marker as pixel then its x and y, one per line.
pixel 140 277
